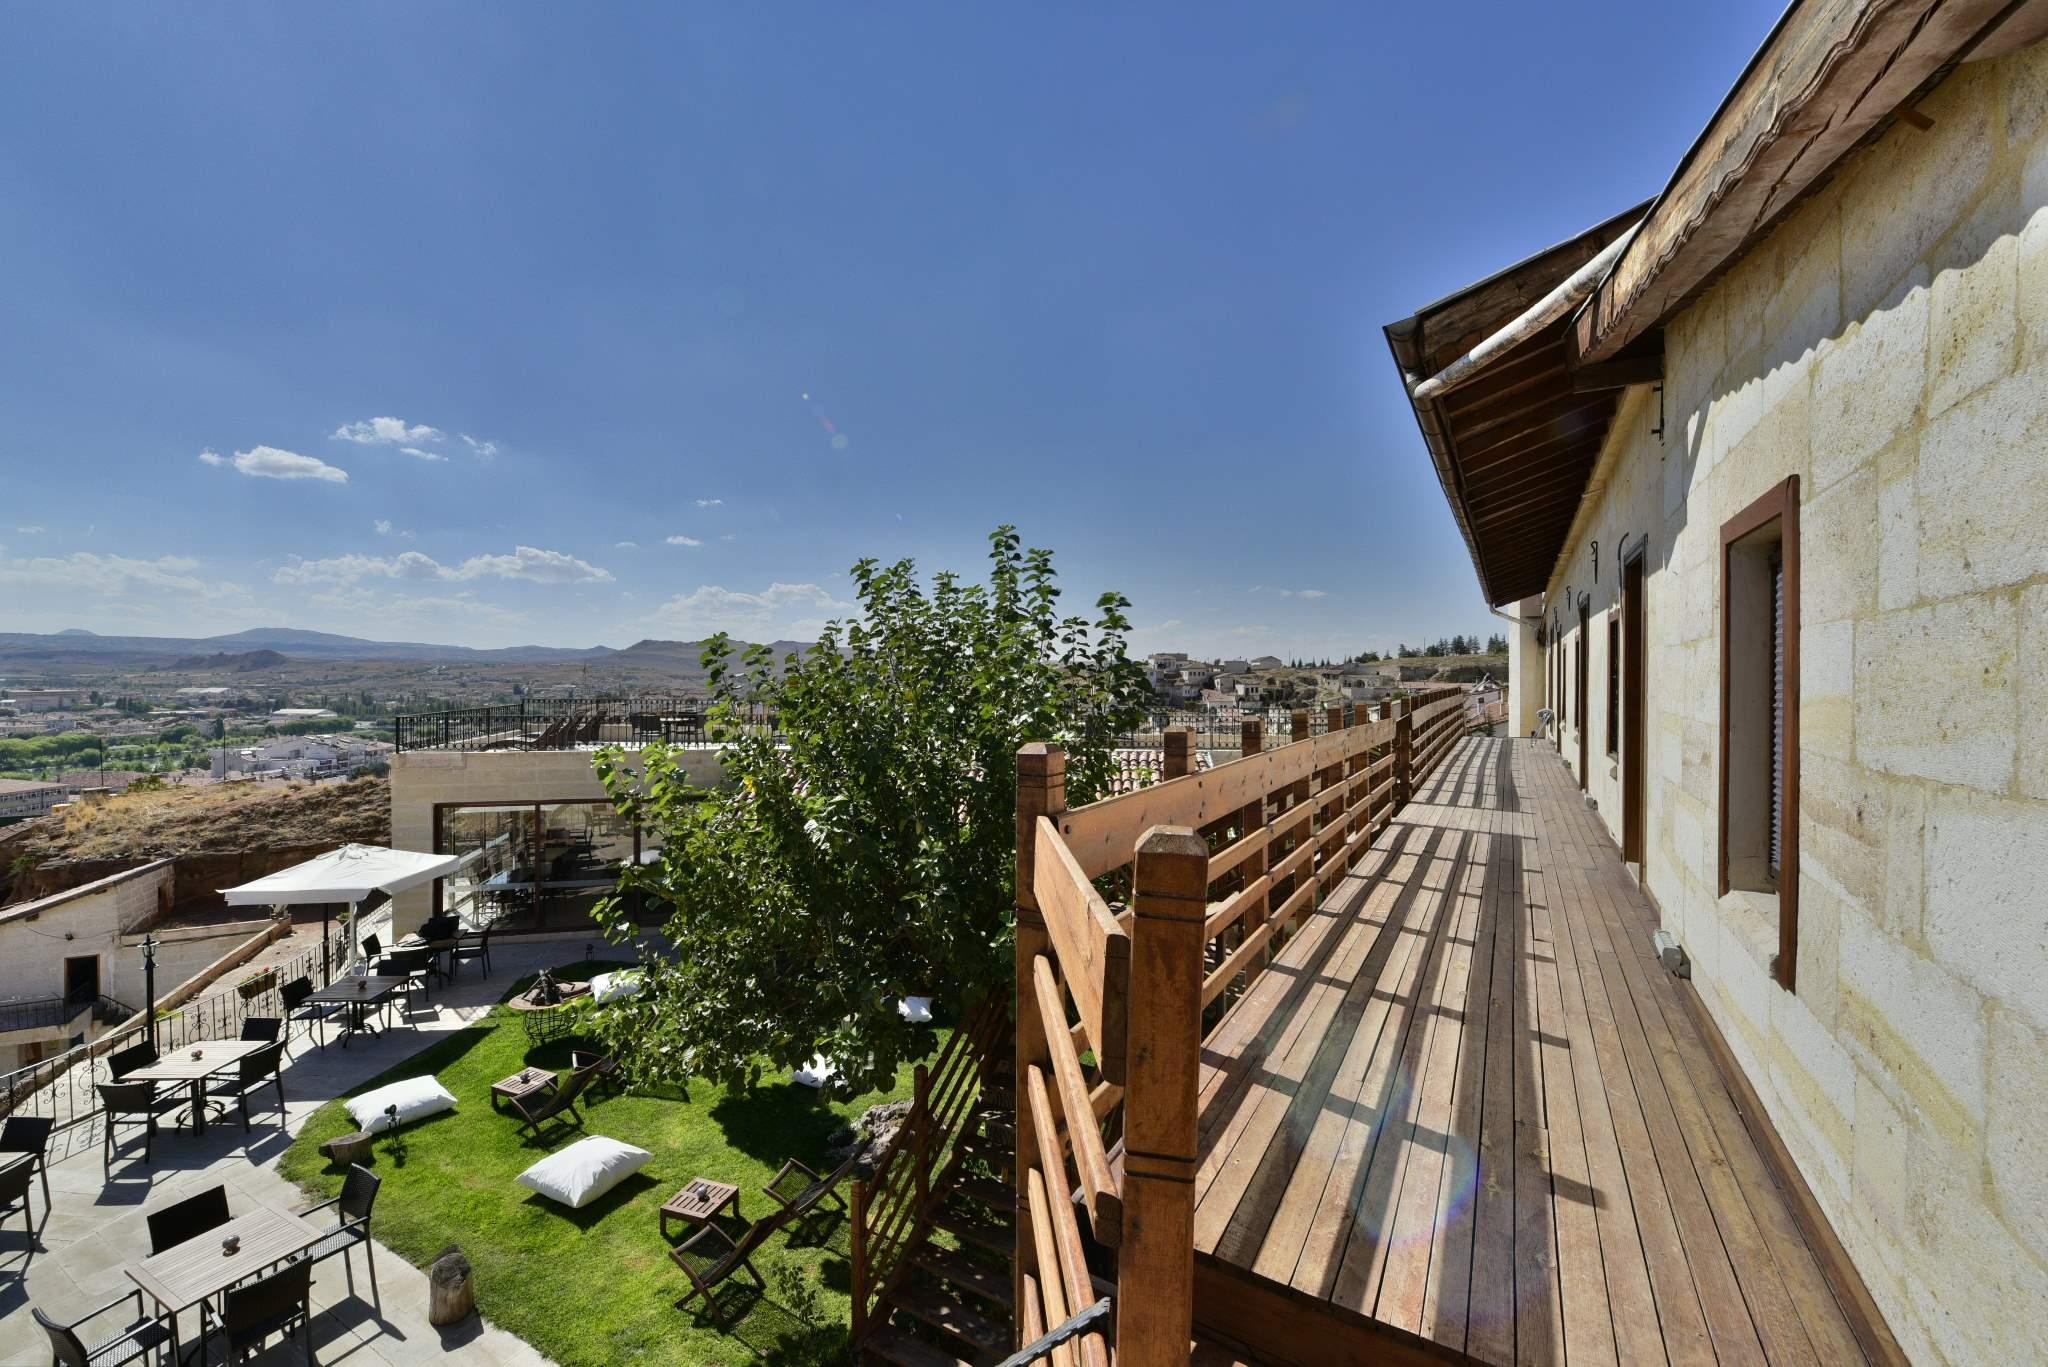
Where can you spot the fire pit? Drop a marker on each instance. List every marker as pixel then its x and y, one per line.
pixel 542 1004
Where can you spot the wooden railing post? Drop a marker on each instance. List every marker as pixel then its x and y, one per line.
pixel 1041 791
pixel 921 1116
pixel 859 1218
pixel 1299 720
pixel 1180 751
pixel 1404 753
pixel 1156 1260
pixel 1252 741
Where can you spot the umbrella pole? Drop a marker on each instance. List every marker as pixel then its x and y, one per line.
pixel 326 953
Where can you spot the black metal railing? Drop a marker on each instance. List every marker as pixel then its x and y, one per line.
pixel 44 1013
pixel 62 1087
pixel 572 724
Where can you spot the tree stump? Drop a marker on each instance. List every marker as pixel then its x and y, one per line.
pixel 345 1149
pixel 451 1292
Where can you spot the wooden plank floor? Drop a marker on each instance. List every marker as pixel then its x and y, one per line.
pixel 1466 1101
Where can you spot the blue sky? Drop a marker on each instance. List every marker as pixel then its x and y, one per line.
pixel 509 323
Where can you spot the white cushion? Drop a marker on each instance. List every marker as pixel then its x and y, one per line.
pixel 623 985
pixel 415 1097
pixel 816 1073
pixel 916 1010
pixel 584 1171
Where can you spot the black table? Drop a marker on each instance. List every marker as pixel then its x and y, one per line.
pixel 359 995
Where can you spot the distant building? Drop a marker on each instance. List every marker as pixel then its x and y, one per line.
pixel 291 714
pixel 77 781
pixel 21 798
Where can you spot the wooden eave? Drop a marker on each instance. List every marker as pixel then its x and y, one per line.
pixel 1831 77
pixel 1513 447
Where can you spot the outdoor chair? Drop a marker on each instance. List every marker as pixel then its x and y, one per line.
pixel 265 1028
pixel 471 948
pixel 372 947
pixel 800 1190
pixel 416 966
pixel 15 1179
pixel 710 1255
pixel 264 1068
pixel 294 996
pixel 352 1219
pixel 122 1062
pixel 535 1112
pixel 139 1336
pixel 253 1311
pixel 131 1103
pixel 183 1221
pixel 604 1068
pixel 29 1134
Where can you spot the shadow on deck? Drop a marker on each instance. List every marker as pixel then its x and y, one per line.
pixel 1466 1115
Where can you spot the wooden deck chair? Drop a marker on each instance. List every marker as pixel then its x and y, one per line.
pixel 536 1111
pixel 800 1190
pixel 710 1255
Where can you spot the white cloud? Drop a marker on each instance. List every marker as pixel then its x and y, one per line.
pixel 680 540
pixel 625 545
pixel 415 452
pixel 31 530
pixel 270 462
pixel 386 432
pixel 383 526
pixel 482 450
pixel 110 576
pixel 778 610
pixel 528 563
pixel 710 503
pixel 1302 593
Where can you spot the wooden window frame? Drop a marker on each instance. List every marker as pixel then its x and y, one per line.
pixel 1614 683
pixel 1779 504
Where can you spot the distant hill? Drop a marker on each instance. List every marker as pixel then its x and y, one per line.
pixel 686 656
pixel 246 662
pixel 165 652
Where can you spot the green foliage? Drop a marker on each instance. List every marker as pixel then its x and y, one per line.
pixel 869 853
pixel 66 749
pixel 182 731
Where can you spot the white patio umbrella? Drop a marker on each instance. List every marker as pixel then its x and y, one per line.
pixel 349 874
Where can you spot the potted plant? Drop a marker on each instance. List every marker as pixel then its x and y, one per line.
pixel 256 984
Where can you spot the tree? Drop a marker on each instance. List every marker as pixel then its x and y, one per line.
pixel 867 851
pixel 1496 645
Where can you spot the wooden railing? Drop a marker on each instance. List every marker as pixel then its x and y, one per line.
pixel 1136 916
pixel 889 1206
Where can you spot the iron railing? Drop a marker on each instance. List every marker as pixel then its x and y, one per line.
pixel 62 1088
pixel 574 724
pixel 45 1013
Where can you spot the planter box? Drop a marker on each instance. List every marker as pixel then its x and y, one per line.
pixel 257 986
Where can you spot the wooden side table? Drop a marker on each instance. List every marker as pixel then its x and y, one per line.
pixel 520 1085
pixel 699 1203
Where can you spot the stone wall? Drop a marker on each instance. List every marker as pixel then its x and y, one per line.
pixel 1889 345
pixel 424 779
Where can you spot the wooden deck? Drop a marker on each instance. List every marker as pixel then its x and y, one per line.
pixel 1465 1101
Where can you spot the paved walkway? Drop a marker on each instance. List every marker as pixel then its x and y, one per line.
pixel 95 1227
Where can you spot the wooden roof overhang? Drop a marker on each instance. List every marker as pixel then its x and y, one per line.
pixel 1515 445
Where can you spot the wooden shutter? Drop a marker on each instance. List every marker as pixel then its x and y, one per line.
pixel 1777 709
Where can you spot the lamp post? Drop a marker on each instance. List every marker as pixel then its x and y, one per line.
pixel 149 987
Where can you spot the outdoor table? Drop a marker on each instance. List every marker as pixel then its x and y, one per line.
pixel 699 1202
pixel 179 1065
pixel 521 1084
pixel 179 1278
pixel 359 995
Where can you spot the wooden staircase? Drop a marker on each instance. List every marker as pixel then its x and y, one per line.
pixel 948 1302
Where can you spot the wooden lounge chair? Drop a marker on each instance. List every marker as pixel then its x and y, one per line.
pixel 710 1255
pixel 604 1066
pixel 536 1111
pixel 800 1190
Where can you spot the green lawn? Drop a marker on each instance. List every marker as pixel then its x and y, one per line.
pixel 596 1285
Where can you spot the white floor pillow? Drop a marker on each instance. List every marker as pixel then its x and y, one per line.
pixel 916 1010
pixel 816 1073
pixel 415 1097
pixel 622 985
pixel 584 1171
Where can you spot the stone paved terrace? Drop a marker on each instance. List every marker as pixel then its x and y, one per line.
pixel 95 1228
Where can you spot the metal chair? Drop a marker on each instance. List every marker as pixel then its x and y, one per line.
pixel 30 1134
pixel 352 1218
pixel 122 1062
pixel 415 966
pixel 294 995
pixel 182 1221
pixel 469 950
pixel 131 1103
pixel 140 1336
pixel 14 1184
pixel 253 1311
pixel 265 1028
pixel 253 1072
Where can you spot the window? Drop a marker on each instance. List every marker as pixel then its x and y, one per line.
pixel 535 865
pixel 1759 823
pixel 1613 683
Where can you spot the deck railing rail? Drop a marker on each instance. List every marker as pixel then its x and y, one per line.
pixel 889 1204
pixel 1136 917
